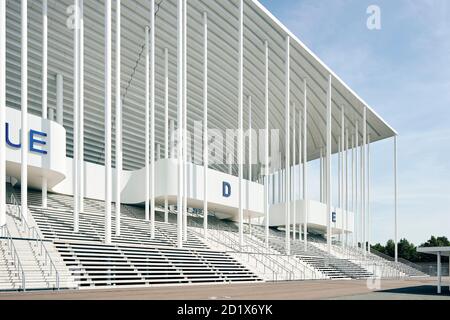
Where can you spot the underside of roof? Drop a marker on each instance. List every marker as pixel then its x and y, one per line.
pixel 223 36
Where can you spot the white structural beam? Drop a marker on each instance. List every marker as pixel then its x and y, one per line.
pixel 118 117
pixel 293 177
pixel 241 122
pixel 81 111
pixel 287 106
pixel 368 194
pixel 328 164
pixel 180 122
pixel 166 122
pixel 305 162
pixel 108 109
pixel 152 119
pixel 347 193
pixel 76 90
pixel 2 112
pixel 357 211
pixel 266 143
pixel 147 125
pixel 363 177
pixel 395 200
pixel 24 114
pixel 44 83
pixel 342 173
pixel 205 125
pixel 60 99
pixel 250 161
pixel 185 132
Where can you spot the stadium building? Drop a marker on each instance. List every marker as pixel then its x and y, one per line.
pixel 108 176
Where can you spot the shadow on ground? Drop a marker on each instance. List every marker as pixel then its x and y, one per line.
pixel 425 290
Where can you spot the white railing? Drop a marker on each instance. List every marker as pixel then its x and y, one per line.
pixel 5 234
pixel 33 235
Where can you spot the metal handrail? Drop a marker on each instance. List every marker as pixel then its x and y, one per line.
pixel 16 260
pixel 33 234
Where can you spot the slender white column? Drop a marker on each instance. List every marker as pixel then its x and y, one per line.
pixel 395 200
pixel 44 83
pixel 250 178
pixel 118 117
pixel 305 163
pixel 166 122
pixel 152 117
pixel 266 143
pixel 342 173
pixel 2 112
pixel 368 194
pixel 205 125
pixel 180 122
pixel 357 212
pixel 439 275
pixel 361 193
pixel 147 124
pixel 287 106
pixel 158 151
pixel 321 175
pixel 108 78
pixel 346 185
pixel 339 176
pixel 172 138
pixel 24 102
pixel 328 166
pixel 300 166
pixel 241 122
pixel 364 233
pixel 353 188
pixel 81 111
pixel 185 154
pixel 293 180
pixel 76 109
pixel 60 99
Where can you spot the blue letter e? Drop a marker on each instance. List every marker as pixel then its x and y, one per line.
pixel 226 189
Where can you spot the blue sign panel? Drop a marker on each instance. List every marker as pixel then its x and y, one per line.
pixel 226 189
pixel 333 216
pixel 36 141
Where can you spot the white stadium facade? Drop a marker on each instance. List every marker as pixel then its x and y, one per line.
pixel 107 187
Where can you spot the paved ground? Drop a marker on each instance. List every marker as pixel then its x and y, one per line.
pixel 294 290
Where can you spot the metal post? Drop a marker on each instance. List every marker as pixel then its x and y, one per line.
pixel 250 178
pixel 395 200
pixel 44 83
pixel 172 138
pixel 287 102
pixel 364 216
pixel 439 273
pixel 328 166
pixel 339 176
pixel 2 112
pixel 185 132
pixel 293 180
pixel 241 112
pixel 180 122
pixel 24 115
pixel 368 194
pixel 266 143
pixel 81 111
pixel 356 210
pixel 152 119
pixel 353 186
pixel 147 124
pixel 205 125
pixel 342 146
pixel 305 163
pixel 321 175
pixel 166 122
pixel 60 99
pixel 76 101
pixel 108 78
pixel 346 186
pixel 118 117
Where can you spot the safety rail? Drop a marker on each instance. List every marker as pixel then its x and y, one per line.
pixel 33 234
pixel 5 234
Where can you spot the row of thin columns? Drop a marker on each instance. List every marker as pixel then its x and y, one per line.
pixel 78 126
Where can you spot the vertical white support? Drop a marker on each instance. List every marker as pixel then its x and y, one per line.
pixel 24 115
pixel 395 200
pixel 158 151
pixel 81 111
pixel 44 84
pixel 321 175
pixel 241 124
pixel 352 166
pixel 293 178
pixel 118 117
pixel 287 101
pixel 147 124
pixel 266 143
pixel 76 109
pixel 346 186
pixel 2 112
pixel 185 132
pixel 180 122
pixel 439 273
pixel 339 176
pixel 364 180
pixel 368 194
pixel 166 122
pixel 328 165
pixel 172 138
pixel 250 161
pixel 305 162
pixel 60 99
pixel 342 146
pixel 108 78
pixel 356 210
pixel 205 125
pixel 152 119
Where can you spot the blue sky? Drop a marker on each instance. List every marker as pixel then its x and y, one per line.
pixel 403 72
